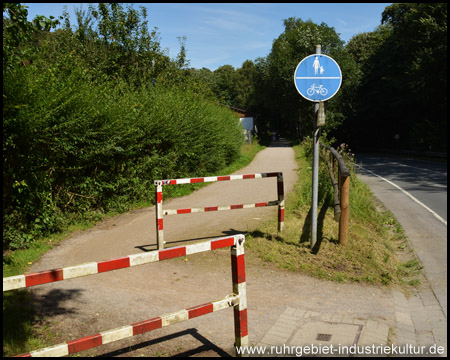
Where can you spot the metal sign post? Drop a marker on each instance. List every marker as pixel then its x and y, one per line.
pixel 317 78
pixel 315 172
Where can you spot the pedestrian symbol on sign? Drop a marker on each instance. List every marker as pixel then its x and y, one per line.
pixel 318 77
pixel 316 65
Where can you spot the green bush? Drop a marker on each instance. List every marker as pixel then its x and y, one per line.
pixel 73 143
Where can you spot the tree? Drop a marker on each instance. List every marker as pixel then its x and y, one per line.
pixel 403 88
pixel 422 69
pixel 224 84
pixel 244 87
pixel 17 31
pixel 289 112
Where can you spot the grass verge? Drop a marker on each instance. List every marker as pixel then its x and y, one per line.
pixel 374 239
pixel 23 330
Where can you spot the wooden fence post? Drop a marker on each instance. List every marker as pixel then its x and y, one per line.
pixel 344 185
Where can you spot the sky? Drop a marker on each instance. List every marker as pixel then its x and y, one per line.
pixel 220 34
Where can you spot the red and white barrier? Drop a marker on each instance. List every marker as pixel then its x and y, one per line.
pixel 48 276
pixel 238 299
pixel 159 199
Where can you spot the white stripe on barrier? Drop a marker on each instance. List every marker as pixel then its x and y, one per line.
pixel 230 300
pixel 116 334
pixel 172 318
pixel 242 289
pixel 211 179
pixel 51 351
pixel 200 247
pixel 14 282
pixel 139 259
pixel 80 270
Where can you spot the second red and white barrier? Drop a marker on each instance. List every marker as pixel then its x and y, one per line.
pixel 159 199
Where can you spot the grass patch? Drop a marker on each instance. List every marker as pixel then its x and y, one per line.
pixel 374 237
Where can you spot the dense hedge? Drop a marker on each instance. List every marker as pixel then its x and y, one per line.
pixel 73 144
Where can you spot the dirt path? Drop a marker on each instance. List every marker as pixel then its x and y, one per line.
pixel 88 305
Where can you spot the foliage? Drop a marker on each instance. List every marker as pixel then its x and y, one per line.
pixel 94 111
pixel 17 30
pixel 284 110
pixel 84 133
pixel 404 81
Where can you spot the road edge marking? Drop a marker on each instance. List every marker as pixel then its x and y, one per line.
pixel 407 194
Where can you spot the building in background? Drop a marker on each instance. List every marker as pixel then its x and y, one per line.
pixel 247 120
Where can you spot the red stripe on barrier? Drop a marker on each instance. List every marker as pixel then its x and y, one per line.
pixel 43 277
pixel 147 325
pixel 113 264
pixel 158 197
pixel 172 253
pixel 85 343
pixel 261 204
pixel 223 178
pixel 218 244
pixel 200 310
pixel 23 355
pixel 160 224
pixel 240 322
pixel 281 215
pixel 238 269
pixel 197 180
pixel 250 176
pixel 240 206
pixel 184 211
pixel 211 208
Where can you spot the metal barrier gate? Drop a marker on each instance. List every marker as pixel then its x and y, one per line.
pixel 159 198
pixel 238 299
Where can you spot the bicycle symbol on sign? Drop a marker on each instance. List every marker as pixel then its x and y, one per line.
pixel 319 89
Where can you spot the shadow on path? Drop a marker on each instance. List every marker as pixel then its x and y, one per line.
pixel 225 233
pixel 280 143
pixel 306 230
pixel 206 345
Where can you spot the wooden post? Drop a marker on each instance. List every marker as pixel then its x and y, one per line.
pixel 344 191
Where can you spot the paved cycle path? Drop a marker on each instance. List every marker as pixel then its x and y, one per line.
pixel 282 306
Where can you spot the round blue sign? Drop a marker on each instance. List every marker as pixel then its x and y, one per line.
pixel 317 77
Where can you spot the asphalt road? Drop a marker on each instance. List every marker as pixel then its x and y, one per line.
pixel 415 191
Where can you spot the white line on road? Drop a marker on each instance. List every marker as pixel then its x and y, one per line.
pixel 409 195
pixel 415 167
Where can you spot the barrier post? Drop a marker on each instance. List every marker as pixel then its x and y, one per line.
pixel 280 192
pixel 239 288
pixel 159 216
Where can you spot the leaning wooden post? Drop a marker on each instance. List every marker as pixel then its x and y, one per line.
pixel 344 191
pixel 239 288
